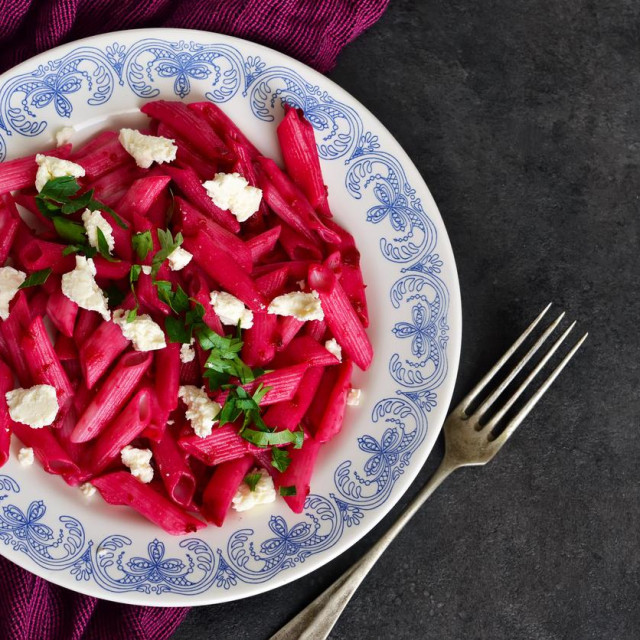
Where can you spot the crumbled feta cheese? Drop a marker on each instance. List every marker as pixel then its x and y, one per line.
pixel 302 284
pixel 94 220
pixel 143 332
pixel 147 149
pixel 25 456
pixel 231 191
pixel 187 352
pixel 354 397
pixel 170 422
pixel 87 489
pixel 138 461
pixel 230 310
pixel 50 168
pixel 36 407
pixel 303 306
pixel 201 410
pixel 146 269
pixel 80 287
pixel 333 347
pixel 64 135
pixel 263 493
pixel 10 281
pixel 179 258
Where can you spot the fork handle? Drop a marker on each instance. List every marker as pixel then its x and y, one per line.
pixel 316 620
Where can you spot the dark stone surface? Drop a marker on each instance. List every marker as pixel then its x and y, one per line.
pixel 524 119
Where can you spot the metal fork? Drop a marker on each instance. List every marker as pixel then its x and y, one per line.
pixel 469 441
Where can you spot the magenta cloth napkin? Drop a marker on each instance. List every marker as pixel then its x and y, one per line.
pixel 313 31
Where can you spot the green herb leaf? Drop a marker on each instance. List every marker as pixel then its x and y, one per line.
pixel 176 331
pixel 168 244
pixel 280 459
pixel 268 438
pixel 298 439
pixel 36 278
pixel 70 231
pixel 252 480
pixel 60 189
pixel 288 491
pixel 142 243
pixel 103 246
pixel 133 314
pixel 81 202
pixel 71 248
pixel 134 273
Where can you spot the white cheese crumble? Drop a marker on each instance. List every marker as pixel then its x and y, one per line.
pixel 25 456
pixel 354 397
pixel 147 149
pixel 334 348
pixel 138 461
pixel 303 306
pixel 64 135
pixel 36 407
pixel 143 332
pixel 146 269
pixel 302 284
pixel 201 410
pixel 80 287
pixel 50 168
pixel 179 258
pixel 263 493
pixel 10 281
pixel 231 191
pixel 187 352
pixel 230 310
pixel 87 489
pixel 94 220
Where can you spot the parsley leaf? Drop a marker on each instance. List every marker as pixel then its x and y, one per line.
pixel 169 244
pixel 142 243
pixel 178 300
pixel 288 491
pixel 60 189
pixel 280 459
pixel 176 330
pixel 81 202
pixel 55 200
pixel 36 278
pixel 70 231
pixel 269 438
pixel 103 246
pixel 252 480
pixel 133 314
pixel 134 273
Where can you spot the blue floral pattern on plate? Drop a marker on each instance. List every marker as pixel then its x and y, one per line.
pixel 150 67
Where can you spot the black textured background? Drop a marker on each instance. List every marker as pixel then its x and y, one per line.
pixel 523 119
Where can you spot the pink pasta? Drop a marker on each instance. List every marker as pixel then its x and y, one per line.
pixel 215 390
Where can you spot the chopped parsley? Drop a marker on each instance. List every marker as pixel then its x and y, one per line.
pixel 142 243
pixel 252 479
pixel 36 278
pixel 58 198
pixel 288 491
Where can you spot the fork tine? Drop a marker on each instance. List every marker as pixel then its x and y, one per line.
pixel 486 404
pixel 509 403
pixel 522 414
pixel 473 394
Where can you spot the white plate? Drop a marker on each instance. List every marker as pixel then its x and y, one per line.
pixel 377 194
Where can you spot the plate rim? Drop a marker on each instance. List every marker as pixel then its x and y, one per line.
pixel 446 388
